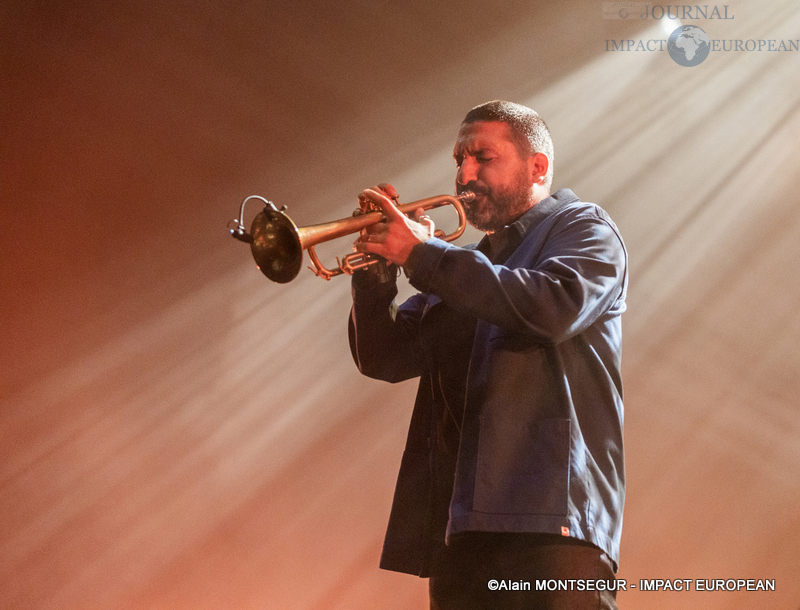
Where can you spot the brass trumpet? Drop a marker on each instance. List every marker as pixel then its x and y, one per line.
pixel 277 244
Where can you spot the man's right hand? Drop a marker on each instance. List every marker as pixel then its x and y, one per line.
pixel 394 238
pixel 384 189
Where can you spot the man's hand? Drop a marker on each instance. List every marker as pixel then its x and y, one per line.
pixel 394 238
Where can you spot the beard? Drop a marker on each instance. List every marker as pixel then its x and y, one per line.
pixel 495 207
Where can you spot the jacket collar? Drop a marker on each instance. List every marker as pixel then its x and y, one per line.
pixel 542 210
pixel 516 231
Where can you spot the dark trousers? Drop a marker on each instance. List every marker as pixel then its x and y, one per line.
pixel 487 571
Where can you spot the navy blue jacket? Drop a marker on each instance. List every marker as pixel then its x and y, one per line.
pixel 541 439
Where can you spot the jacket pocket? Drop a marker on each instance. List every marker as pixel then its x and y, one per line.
pixel 522 467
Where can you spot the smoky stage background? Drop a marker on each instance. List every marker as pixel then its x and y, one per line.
pixel 178 432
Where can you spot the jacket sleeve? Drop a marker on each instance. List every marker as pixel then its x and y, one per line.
pixel 562 287
pixel 383 337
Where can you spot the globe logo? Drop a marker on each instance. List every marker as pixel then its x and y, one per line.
pixel 688 45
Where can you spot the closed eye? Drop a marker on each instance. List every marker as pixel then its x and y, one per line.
pixel 479 158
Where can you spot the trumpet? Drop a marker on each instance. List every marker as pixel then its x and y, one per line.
pixel 277 243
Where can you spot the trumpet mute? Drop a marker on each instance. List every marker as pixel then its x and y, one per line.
pixel 276 245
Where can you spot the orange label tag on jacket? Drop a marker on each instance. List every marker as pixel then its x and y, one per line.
pixel 564 531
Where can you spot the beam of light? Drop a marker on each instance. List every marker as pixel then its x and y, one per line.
pixel 668 25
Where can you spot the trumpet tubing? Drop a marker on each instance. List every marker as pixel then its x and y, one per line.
pixel 277 244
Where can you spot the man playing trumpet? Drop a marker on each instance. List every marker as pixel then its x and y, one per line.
pixel 513 471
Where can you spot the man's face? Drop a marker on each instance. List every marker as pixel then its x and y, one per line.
pixel 490 166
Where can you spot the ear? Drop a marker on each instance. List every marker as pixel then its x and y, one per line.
pixel 538 164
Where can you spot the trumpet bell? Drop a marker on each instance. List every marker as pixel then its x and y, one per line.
pixel 276 246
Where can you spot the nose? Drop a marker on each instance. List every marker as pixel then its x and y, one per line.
pixel 467 171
